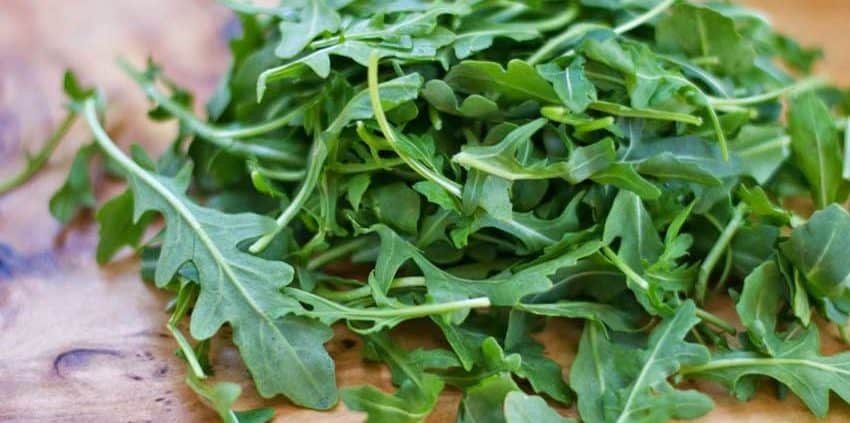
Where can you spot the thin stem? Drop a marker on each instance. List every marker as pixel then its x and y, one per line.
pixel 184 300
pixel 625 268
pixel 420 310
pixel 797 87
pixel 389 134
pixel 759 361
pixel 36 162
pixel 222 137
pixel 285 175
pixel 556 41
pixel 342 250
pixel 318 154
pixel 727 268
pixel 578 30
pixel 640 20
pixel 366 290
pixel 558 21
pixel 716 321
pixel 348 168
pixel 625 111
pixel 717 250
pixel 644 285
pixel 846 172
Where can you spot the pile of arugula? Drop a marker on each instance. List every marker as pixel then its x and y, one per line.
pixel 496 163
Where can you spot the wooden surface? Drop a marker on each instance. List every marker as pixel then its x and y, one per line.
pixel 80 343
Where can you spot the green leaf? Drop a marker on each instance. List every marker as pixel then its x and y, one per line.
pixel 76 193
pixel 761 150
pixel 313 17
pixel 815 147
pixel 623 175
pixel 544 374
pixel 629 222
pixel 796 363
pixel 491 193
pixel 484 401
pixel 223 396
pixel 480 36
pixel 236 287
pixel 571 84
pixel 443 286
pixel 500 159
pixel 118 228
pixel 396 205
pixel 621 383
pixel 443 98
pixel 611 316
pixel 416 396
pixel 818 250
pixel 411 403
pixel 699 31
pixel 759 304
pixel 522 408
pixel 518 82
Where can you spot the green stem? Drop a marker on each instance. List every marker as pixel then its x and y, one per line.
pixel 348 168
pixel 224 138
pixel 642 19
pixel 184 301
pixel 727 269
pixel 318 154
pixel 554 42
pixel 625 268
pixel 625 111
pixel 717 250
pixel 846 172
pixel 36 162
pixel 644 285
pixel 342 250
pixel 366 290
pixel 285 175
pixel 579 30
pixel 797 87
pixel 389 134
pixel 772 362
pixel 716 321
pixel 419 310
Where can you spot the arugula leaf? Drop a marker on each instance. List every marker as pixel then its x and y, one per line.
pixel 571 84
pixel 222 396
pixel 521 408
pixel 313 17
pixel 510 162
pixel 616 382
pixel 519 81
pixel 34 162
pixel 443 286
pixel 415 398
pixel 629 222
pixel 543 373
pixel 235 287
pixel 795 361
pixel 118 228
pixel 76 193
pixel 817 250
pixel 815 147
pixel 699 31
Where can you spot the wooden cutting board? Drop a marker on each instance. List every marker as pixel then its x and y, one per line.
pixel 80 343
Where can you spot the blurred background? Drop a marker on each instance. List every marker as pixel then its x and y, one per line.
pixel 53 298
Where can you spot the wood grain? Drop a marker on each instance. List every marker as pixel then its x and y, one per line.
pixel 80 343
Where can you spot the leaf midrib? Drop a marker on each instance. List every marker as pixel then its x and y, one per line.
pixel 649 361
pixel 135 170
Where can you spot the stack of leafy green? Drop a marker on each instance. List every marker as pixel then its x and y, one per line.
pixel 497 163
